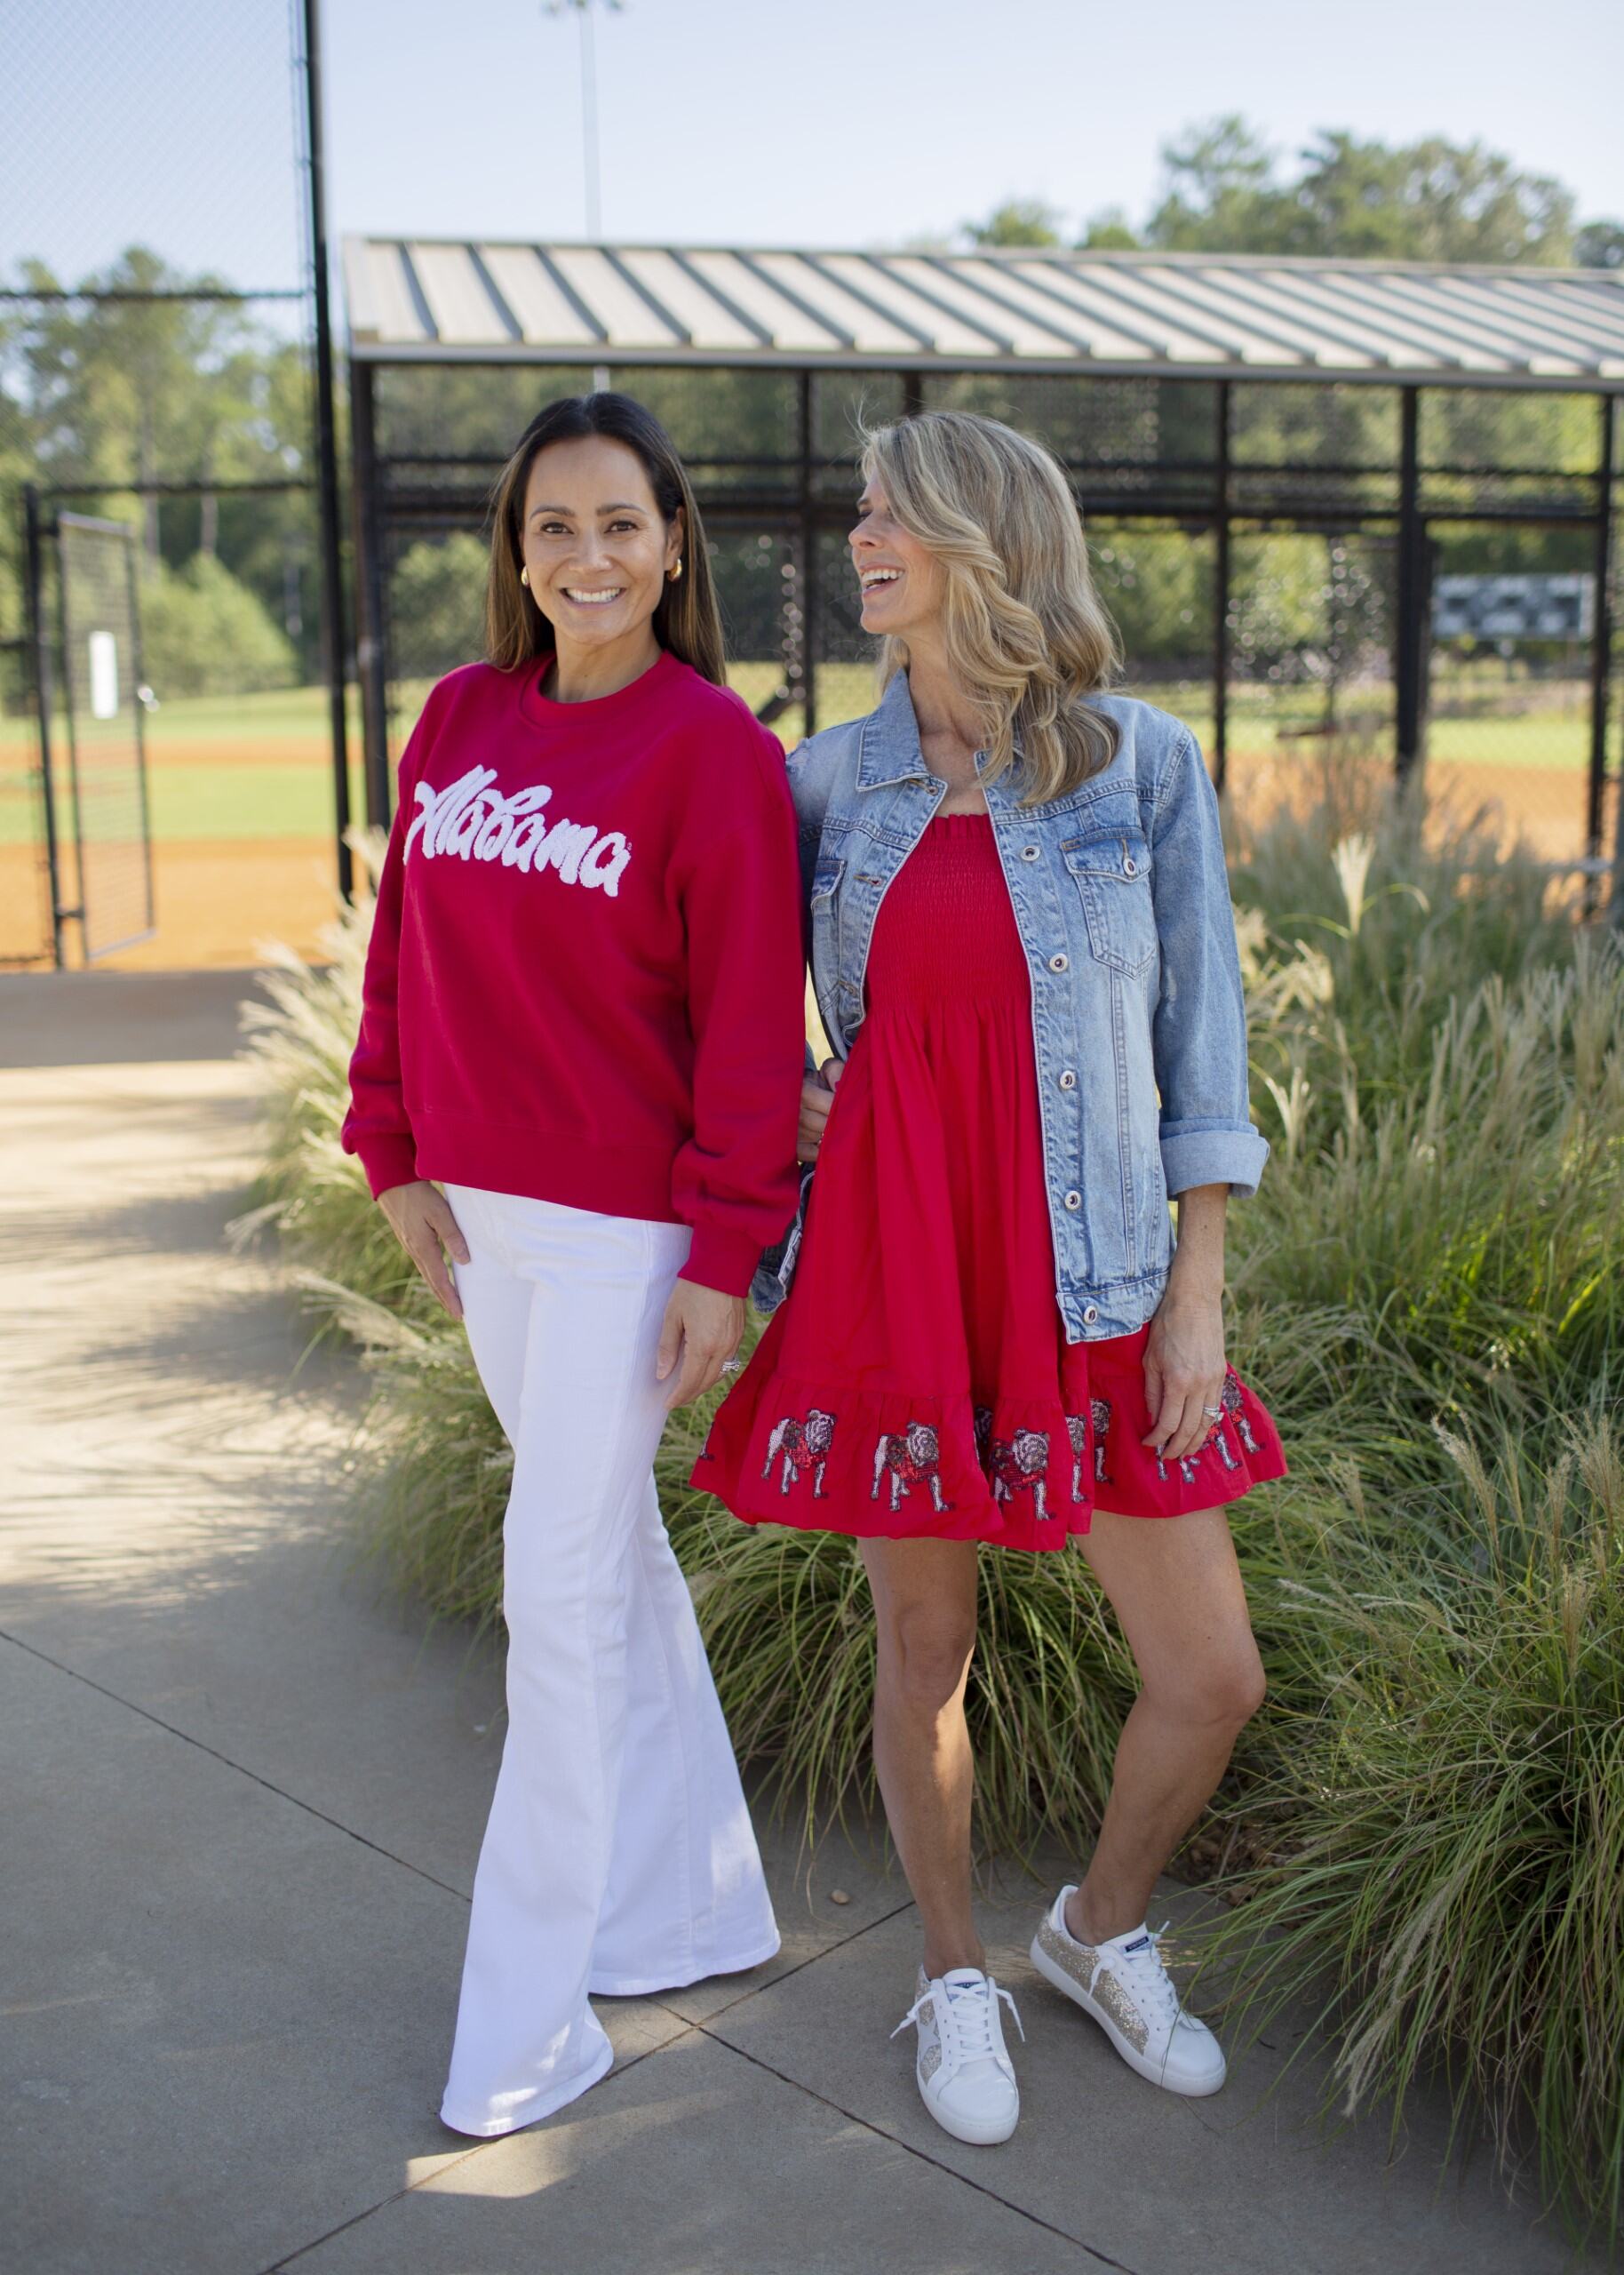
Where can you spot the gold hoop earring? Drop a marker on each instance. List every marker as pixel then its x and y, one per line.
pixel 524 579
pixel 672 574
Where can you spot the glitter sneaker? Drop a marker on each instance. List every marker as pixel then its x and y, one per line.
pixel 1125 1986
pixel 966 2078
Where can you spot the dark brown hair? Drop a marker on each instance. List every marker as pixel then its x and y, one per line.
pixel 688 621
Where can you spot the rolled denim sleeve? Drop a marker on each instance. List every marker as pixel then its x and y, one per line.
pixel 1199 1034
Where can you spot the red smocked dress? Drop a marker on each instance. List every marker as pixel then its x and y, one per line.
pixel 916 1382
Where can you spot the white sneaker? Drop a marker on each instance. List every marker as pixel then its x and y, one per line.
pixel 1125 1986
pixel 967 2079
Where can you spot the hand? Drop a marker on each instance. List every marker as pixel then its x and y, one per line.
pixel 1183 1371
pixel 816 1097
pixel 421 1218
pixel 700 1334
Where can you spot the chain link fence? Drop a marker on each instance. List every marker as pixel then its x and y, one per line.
pixel 1246 538
pixel 155 373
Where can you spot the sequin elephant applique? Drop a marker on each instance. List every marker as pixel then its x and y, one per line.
pixel 1233 1400
pixel 1078 1426
pixel 1020 1464
pixel 910 1457
pixel 800 1445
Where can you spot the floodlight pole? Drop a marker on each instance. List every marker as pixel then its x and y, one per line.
pixel 327 450
pixel 582 11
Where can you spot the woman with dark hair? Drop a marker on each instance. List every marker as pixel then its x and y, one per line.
pixel 584 1020
pixel 1025 960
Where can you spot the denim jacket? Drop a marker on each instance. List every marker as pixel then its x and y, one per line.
pixel 1122 901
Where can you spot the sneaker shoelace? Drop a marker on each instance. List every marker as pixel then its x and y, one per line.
pixel 1152 1985
pixel 969 2015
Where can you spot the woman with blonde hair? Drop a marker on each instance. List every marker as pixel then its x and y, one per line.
pixel 1025 958
pixel 582 1019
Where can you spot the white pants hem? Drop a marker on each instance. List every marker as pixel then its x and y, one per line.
pixel 544 2103
pixel 627 1986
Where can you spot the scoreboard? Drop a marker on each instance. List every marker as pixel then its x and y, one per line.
pixel 1514 608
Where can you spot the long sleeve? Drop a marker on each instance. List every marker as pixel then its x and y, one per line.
pixel 376 1128
pixel 735 1179
pixel 1200 1032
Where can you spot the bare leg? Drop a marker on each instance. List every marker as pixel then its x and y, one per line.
pixel 925 1610
pixel 1176 1588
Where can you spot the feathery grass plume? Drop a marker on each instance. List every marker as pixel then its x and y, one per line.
pixel 1448 1821
pixel 310 1193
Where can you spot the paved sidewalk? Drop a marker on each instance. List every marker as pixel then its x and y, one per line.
pixel 244 1797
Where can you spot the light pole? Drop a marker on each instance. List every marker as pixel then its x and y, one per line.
pixel 582 11
pixel 326 450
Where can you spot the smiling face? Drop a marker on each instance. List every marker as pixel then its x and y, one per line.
pixel 900 578
pixel 595 544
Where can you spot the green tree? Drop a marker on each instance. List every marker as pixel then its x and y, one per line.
pixel 1109 231
pixel 1430 200
pixel 203 633
pixel 1222 194
pixel 1600 244
pixel 1018 222
pixel 436 600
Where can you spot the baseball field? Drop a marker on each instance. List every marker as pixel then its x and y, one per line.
pixel 243 809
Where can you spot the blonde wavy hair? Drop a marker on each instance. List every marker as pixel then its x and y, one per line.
pixel 1024 629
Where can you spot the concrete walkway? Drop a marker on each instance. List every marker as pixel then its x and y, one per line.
pixel 243 1800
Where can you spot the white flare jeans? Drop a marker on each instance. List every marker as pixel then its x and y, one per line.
pixel 618 1857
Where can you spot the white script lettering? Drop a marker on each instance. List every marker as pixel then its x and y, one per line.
pixel 472 820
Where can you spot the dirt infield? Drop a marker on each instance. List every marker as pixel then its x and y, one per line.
pixel 219 902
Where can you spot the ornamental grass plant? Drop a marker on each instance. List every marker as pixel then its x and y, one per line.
pixel 1428 1291
pixel 1440 1812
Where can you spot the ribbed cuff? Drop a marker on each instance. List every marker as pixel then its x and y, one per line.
pixel 387 1160
pixel 725 1261
pixel 1217 1153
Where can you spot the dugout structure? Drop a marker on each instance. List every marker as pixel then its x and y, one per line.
pixel 1278 461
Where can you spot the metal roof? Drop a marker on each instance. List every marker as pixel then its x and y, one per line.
pixel 423 300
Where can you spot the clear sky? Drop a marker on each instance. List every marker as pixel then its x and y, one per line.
pixel 865 122
pixel 831 122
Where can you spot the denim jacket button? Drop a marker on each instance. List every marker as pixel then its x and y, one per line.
pixel 1068 1081
pixel 1074 1200
pixel 1091 1312
pixel 1130 867
pixel 1060 963
pixel 1028 853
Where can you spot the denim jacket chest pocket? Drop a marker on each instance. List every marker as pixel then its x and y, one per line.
pixel 1111 867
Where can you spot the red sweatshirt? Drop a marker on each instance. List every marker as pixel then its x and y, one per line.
pixel 585 982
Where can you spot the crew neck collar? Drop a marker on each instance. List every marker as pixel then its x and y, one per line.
pixel 543 711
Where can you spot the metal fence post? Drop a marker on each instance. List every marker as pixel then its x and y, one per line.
pixel 1221 599
pixel 39 653
pixel 326 453
pixel 371 644
pixel 808 566
pixel 1409 660
pixel 1601 639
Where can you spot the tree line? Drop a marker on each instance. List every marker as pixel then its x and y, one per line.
pixel 1224 191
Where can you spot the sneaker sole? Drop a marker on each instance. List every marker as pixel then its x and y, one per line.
pixel 1136 2062
pixel 985 2135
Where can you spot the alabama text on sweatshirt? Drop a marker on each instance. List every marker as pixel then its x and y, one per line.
pixel 586 982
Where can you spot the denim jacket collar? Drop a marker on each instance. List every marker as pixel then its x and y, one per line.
pixel 889 750
pixel 889 745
